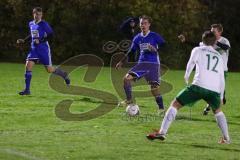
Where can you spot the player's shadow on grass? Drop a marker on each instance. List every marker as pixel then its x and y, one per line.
pixel 94 65
pixel 182 117
pixel 218 148
pixel 236 117
pixel 204 146
pixel 90 100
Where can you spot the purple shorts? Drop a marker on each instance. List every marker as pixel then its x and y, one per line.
pixel 150 71
pixel 42 54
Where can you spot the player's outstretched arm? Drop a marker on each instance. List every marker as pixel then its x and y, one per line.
pixel 132 50
pixel 222 85
pixel 21 41
pixel 124 59
pixel 223 46
pixel 119 65
pixel 183 39
pixel 190 65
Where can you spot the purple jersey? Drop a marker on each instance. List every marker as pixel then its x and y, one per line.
pixel 40 51
pixel 141 43
pixel 39 31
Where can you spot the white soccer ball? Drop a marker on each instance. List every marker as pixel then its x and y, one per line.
pixel 133 110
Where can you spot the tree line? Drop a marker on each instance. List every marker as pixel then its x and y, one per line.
pixel 84 26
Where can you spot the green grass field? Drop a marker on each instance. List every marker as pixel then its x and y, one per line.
pixel 29 128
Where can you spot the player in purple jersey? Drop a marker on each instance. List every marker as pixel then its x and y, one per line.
pixel 148 43
pixel 40 33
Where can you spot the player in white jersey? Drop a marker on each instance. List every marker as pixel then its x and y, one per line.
pixel 223 47
pixel 208 84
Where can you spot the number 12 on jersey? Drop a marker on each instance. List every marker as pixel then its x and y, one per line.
pixel 212 63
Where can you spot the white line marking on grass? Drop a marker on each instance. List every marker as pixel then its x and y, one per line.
pixel 19 153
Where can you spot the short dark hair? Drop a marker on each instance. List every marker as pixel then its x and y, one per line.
pixel 145 17
pixel 209 38
pixel 218 26
pixel 37 9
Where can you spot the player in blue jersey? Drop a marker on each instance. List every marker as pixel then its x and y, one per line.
pixel 148 66
pixel 40 33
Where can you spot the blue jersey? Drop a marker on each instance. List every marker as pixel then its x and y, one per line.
pixel 41 52
pixel 39 31
pixel 141 43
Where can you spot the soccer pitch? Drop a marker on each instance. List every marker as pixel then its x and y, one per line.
pixel 29 128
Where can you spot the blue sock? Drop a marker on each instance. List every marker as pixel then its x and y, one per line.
pixel 60 73
pixel 159 101
pixel 28 77
pixel 128 90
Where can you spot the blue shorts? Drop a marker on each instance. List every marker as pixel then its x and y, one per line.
pixel 41 53
pixel 150 71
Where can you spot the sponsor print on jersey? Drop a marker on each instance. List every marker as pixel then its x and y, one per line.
pixel 144 46
pixel 35 33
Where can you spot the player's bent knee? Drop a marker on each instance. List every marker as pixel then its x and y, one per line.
pixel 155 90
pixel 154 86
pixel 28 68
pixel 176 104
pixel 29 65
pixel 215 111
pixel 50 69
pixel 128 77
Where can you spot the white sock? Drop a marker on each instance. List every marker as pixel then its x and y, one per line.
pixel 222 124
pixel 167 120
